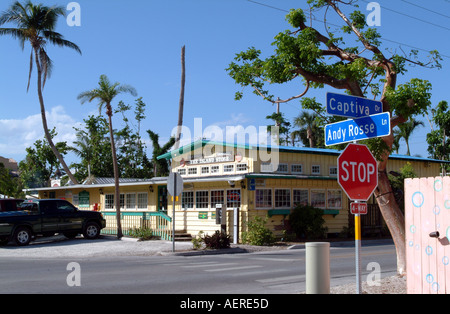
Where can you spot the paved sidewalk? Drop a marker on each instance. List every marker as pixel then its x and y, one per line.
pixel 60 247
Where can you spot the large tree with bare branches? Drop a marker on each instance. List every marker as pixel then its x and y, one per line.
pixel 322 59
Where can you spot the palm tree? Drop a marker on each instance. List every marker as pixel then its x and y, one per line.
pixel 406 129
pixel 36 24
pixel 84 150
pixel 307 122
pixel 160 167
pixel 105 93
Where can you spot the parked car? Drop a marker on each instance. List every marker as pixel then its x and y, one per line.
pixel 10 204
pixel 47 217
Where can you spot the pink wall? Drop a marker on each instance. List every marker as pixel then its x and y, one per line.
pixel 427 209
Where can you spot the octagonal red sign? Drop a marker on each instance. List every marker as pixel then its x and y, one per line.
pixel 357 172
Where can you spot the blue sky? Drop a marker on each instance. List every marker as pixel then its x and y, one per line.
pixel 138 42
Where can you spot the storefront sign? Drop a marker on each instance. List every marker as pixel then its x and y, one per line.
pixel 212 160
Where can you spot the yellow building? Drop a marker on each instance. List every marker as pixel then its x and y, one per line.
pixel 245 180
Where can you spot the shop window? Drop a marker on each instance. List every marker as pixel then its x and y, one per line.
pixel 201 199
pixel 109 201
pixel 187 200
pixel 334 199
pixel 131 201
pixel 142 201
pixel 297 169
pixel 234 198
pixel 263 198
pixel 318 199
pixel 300 197
pixel 282 198
pixel 216 198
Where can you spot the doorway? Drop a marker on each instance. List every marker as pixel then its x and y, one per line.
pixel 162 198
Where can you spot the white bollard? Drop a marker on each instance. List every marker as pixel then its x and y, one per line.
pixel 317 268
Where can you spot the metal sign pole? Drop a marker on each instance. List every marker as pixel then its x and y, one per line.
pixel 357 252
pixel 173 212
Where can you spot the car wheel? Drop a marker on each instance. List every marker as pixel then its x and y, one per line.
pixel 91 231
pixel 22 236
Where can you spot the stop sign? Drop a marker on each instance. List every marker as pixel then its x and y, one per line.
pixel 357 172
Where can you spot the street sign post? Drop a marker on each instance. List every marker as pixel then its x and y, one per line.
pixel 175 188
pixel 357 168
pixel 358 177
pixel 352 106
pixel 358 129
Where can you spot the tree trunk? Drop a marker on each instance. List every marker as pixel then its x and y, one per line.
pixel 392 214
pixel 44 123
pixel 181 105
pixel 116 172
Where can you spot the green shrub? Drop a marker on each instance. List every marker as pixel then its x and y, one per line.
pixel 197 242
pixel 258 233
pixel 217 241
pixel 307 222
pixel 141 233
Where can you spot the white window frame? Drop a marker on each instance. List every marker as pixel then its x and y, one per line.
pixel 182 171
pixel 193 169
pixel 296 172
pixel 283 201
pixel 335 170
pixel 264 196
pixel 316 172
pixel 109 202
pixel 141 198
pixel 337 204
pixel 283 165
pixel 206 202
pixel 183 196
pixel 129 198
pixel 213 205
pixel 230 166
pixel 241 167
pixel 233 203
pixel 294 204
pixel 312 193
pixel 215 169
pixel 203 168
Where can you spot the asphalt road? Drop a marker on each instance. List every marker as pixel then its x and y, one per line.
pixel 109 266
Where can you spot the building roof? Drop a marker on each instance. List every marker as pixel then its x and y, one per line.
pixel 287 149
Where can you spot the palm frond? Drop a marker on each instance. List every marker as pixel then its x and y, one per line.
pixel 58 40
